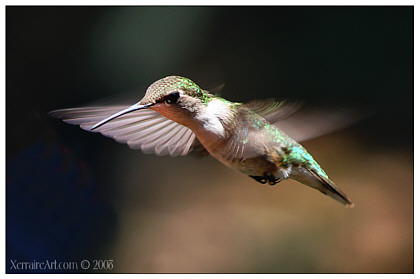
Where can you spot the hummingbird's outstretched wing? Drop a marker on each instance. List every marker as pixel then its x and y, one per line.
pixel 215 90
pixel 312 123
pixel 303 124
pixel 249 133
pixel 143 129
pixel 272 110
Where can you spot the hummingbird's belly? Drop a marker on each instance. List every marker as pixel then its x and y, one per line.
pixel 255 166
pixel 253 159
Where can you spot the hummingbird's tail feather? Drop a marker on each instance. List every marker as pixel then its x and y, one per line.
pixel 330 189
pixel 322 184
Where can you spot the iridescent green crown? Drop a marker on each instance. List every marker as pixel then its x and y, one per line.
pixel 167 85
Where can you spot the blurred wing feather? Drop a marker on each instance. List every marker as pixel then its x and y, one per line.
pixel 143 129
pixel 312 123
pixel 272 110
pixel 302 125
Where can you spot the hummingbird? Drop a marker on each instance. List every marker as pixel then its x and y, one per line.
pixel 176 117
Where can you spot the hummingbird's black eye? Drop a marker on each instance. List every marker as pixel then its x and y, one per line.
pixel 172 98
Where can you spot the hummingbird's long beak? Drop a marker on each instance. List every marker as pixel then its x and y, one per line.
pixel 134 107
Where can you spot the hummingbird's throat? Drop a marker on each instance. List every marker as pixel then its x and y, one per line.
pixel 175 114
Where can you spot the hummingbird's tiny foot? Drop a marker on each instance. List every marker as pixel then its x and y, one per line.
pixel 272 180
pixel 260 179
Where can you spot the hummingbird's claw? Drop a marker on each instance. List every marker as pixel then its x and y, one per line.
pixel 271 179
pixel 260 179
pixel 267 177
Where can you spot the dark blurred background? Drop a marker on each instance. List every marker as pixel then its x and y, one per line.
pixel 72 195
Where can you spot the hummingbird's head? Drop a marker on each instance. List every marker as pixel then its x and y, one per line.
pixel 169 88
pixel 175 97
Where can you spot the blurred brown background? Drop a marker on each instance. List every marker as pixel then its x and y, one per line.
pixel 72 195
